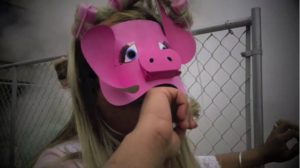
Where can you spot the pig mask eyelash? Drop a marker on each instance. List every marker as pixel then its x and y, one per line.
pixel 163 45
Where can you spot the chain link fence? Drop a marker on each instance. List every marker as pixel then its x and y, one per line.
pixel 216 78
pixel 34 106
pixel 41 109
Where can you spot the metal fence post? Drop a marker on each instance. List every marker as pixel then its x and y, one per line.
pixel 12 117
pixel 257 77
pixel 248 90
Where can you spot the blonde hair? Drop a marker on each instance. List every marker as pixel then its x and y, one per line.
pixel 97 142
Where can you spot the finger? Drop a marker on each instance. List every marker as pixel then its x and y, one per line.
pixel 191 120
pixel 194 123
pixel 284 125
pixel 182 111
pixel 293 152
pixel 186 122
pixel 186 119
pixel 281 126
pixel 287 135
pixel 182 105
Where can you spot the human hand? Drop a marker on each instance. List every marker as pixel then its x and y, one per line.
pixel 154 140
pixel 275 148
pixel 156 118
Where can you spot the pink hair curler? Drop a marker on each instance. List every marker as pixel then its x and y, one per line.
pixel 87 16
pixel 179 6
pixel 119 4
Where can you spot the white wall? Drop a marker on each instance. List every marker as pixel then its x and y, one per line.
pixel 43 29
pixel 280 25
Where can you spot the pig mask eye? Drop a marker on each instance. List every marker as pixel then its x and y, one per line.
pixel 163 45
pixel 129 53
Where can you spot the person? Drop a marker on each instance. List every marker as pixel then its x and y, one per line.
pixel 145 131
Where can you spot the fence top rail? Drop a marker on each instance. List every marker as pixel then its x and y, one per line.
pixel 227 25
pixel 29 62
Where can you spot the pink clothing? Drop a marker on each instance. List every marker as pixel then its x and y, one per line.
pixel 53 155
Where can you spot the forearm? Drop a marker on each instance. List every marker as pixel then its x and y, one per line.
pixel 250 158
pixel 137 150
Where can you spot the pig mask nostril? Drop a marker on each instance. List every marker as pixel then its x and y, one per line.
pixel 151 60
pixel 170 59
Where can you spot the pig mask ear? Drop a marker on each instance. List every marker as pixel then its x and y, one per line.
pixel 179 39
pixel 98 46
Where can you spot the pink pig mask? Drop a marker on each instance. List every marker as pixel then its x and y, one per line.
pixel 134 56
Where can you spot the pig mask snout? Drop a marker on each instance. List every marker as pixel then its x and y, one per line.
pixel 160 65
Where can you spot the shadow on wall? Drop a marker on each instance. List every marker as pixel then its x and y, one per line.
pixel 10 15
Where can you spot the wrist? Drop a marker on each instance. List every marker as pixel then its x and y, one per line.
pixel 253 158
pixel 139 146
pixel 262 155
pixel 160 132
pixel 150 144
